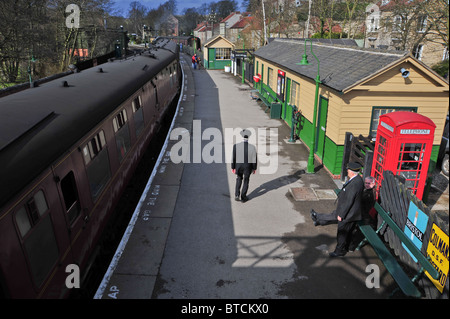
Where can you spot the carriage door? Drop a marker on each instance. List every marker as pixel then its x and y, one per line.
pixel 74 213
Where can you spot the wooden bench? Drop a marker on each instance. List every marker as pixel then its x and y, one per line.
pixel 254 94
pixel 401 278
pixel 264 96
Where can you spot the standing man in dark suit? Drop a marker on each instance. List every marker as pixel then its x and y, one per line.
pixel 243 164
pixel 348 210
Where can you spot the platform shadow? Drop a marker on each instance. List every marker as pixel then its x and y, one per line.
pixel 276 183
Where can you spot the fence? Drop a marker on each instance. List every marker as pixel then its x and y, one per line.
pixel 248 72
pixel 357 149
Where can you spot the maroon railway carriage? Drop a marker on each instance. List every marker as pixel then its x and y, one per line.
pixel 190 41
pixel 67 150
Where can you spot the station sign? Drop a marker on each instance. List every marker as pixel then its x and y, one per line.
pixel 416 224
pixel 240 55
pixel 438 253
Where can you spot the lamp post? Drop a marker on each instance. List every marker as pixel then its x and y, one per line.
pixel 30 69
pixel 304 61
pixel 243 59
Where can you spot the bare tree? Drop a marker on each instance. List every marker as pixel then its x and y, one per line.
pixel 353 16
pixel 405 23
pixel 20 39
pixel 323 11
pixel 287 18
pixel 137 17
pixel 36 40
pixel 438 17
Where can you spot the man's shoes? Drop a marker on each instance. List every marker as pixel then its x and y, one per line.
pixel 336 254
pixel 244 199
pixel 236 198
pixel 314 217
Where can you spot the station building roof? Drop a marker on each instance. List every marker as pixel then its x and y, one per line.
pixel 341 67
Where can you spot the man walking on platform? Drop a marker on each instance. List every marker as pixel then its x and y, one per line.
pixel 244 163
pixel 348 210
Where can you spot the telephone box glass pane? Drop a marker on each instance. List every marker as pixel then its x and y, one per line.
pixel 380 156
pixel 410 163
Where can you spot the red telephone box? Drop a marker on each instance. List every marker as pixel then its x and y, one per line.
pixel 403 146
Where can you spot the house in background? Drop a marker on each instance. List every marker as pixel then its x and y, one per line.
pixel 392 28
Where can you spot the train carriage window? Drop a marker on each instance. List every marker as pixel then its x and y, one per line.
pixel 41 203
pixel 94 147
pixel 123 142
pixel 29 214
pixel 138 115
pixel 97 164
pixel 70 194
pixel 42 250
pixel 38 237
pixel 22 221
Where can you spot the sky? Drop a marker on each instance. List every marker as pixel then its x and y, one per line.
pixel 124 5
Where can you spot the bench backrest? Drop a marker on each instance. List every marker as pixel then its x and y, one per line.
pixel 269 93
pixel 407 241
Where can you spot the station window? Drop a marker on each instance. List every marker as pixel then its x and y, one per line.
pixel 223 53
pixel 295 94
pixel 138 115
pixel 378 111
pixel 270 78
pixel 123 142
pixel 97 164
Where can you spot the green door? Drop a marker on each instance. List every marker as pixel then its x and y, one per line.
pixel 321 127
pixel 212 59
pixel 288 98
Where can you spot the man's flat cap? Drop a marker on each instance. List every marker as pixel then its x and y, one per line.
pixel 356 167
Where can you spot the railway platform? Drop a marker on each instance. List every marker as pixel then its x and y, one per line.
pixel 190 239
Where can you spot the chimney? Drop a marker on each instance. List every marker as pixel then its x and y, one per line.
pixel 223 30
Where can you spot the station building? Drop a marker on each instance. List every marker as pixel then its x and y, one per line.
pixel 217 53
pixel 356 87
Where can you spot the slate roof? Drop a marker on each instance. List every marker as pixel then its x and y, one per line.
pixel 212 40
pixel 340 67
